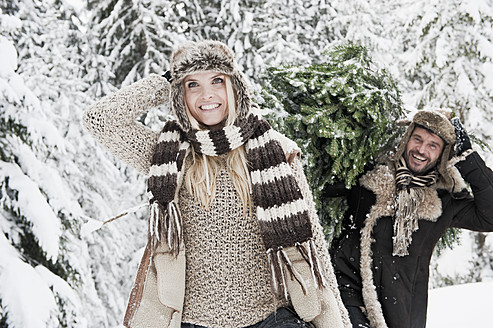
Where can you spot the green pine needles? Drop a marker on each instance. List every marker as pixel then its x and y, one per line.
pixel 342 113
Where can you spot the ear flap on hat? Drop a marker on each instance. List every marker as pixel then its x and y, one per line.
pixel 178 105
pixel 403 143
pixel 447 152
pixel 242 96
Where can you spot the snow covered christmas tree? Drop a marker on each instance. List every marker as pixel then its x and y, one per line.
pixel 52 177
pixel 343 112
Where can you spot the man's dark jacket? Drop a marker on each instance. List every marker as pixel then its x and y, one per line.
pixel 402 282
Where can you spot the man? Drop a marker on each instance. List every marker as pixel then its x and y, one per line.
pixel 398 212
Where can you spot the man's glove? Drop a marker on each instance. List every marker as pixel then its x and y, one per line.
pixel 463 142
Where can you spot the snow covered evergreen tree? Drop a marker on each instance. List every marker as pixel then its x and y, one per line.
pixel 284 32
pixel 50 182
pixel 447 58
pixel 342 113
pixel 133 38
pixel 361 22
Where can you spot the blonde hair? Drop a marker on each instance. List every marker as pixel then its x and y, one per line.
pixel 235 161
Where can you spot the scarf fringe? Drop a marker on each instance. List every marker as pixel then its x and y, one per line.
pixel 281 260
pixel 280 265
pixel 317 270
pixel 406 220
pixel 165 223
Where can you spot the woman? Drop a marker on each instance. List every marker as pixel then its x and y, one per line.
pixel 234 239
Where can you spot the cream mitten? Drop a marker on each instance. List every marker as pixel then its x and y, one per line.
pixel 307 304
pixel 330 315
pixel 170 279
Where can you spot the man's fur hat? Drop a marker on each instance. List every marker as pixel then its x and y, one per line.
pixel 195 57
pixel 440 125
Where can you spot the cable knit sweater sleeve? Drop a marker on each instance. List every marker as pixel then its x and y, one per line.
pixel 112 121
pixel 320 242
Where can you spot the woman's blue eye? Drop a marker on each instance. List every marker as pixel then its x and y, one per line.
pixel 218 80
pixel 192 84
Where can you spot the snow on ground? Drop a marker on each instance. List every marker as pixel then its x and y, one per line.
pixel 466 305
pixel 461 306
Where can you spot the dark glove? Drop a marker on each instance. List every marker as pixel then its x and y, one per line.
pixel 463 142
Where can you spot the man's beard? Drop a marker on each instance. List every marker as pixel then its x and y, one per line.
pixel 425 169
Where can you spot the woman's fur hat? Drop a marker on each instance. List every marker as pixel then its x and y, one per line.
pixel 440 125
pixel 194 57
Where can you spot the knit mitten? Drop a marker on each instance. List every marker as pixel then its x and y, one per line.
pixel 305 300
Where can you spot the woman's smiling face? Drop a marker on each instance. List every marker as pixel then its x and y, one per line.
pixel 206 97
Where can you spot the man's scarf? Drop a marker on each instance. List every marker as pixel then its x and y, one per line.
pixel 409 195
pixel 282 212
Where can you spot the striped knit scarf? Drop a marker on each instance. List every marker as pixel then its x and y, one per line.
pixel 281 211
pixel 409 195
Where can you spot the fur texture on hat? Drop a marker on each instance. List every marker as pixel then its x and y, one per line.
pixel 195 57
pixel 440 125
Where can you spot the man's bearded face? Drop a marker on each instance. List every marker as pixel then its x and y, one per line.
pixel 423 150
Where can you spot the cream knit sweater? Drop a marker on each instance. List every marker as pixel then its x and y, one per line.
pixel 227 276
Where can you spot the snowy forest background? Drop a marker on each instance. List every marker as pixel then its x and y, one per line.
pixel 59 56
